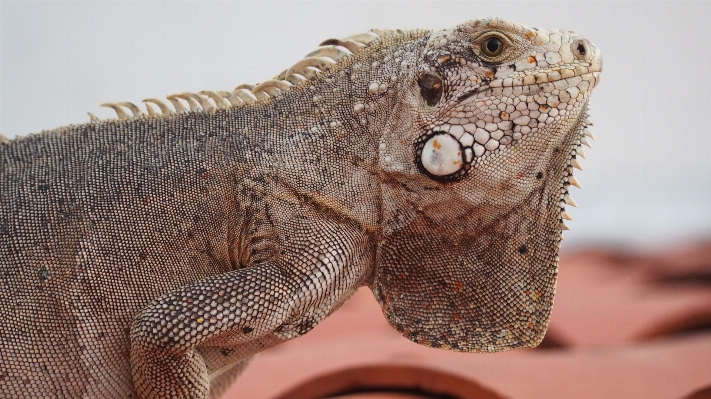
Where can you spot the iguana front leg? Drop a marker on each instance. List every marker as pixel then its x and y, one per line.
pixel 285 297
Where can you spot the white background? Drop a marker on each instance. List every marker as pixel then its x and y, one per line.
pixel 647 181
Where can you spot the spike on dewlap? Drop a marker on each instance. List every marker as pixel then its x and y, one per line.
pixel 570 201
pixel 584 141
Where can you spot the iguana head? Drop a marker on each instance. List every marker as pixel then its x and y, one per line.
pixel 476 162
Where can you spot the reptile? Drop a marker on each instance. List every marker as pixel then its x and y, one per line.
pixel 154 254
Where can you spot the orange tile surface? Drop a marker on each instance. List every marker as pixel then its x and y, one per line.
pixel 622 327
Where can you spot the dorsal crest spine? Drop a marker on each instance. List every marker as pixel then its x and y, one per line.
pixel 329 53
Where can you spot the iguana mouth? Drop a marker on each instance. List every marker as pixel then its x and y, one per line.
pixel 517 82
pixel 581 72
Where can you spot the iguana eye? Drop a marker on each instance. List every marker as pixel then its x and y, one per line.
pixel 441 156
pixel 492 46
pixel 430 88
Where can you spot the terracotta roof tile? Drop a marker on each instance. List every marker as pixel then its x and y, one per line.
pixel 618 330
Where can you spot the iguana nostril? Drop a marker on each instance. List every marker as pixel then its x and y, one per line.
pixel 580 49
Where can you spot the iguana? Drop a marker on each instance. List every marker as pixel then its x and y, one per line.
pixel 153 255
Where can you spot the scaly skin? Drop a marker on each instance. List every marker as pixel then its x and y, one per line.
pixel 153 256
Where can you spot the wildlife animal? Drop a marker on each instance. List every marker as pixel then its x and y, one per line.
pixel 153 255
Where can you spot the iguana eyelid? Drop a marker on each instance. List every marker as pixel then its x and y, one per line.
pixel 481 37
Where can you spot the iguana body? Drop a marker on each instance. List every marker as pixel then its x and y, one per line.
pixel 153 256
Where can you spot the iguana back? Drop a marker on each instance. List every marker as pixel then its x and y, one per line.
pixel 155 254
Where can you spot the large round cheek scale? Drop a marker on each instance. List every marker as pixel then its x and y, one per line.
pixel 442 155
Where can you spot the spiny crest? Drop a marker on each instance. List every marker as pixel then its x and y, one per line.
pixel 329 53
